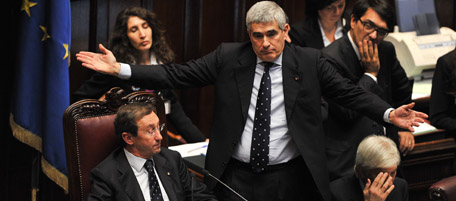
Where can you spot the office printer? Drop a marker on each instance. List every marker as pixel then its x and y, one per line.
pixel 418 53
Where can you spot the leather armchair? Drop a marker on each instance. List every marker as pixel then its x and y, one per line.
pixel 90 137
pixel 443 190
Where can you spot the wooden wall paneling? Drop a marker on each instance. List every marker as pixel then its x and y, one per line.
pixel 190 98
pixel 171 15
pixel 295 10
pixel 80 19
pixel 239 31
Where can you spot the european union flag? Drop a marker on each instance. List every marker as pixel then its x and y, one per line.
pixel 41 84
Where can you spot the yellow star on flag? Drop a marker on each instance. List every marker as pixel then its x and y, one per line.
pixel 26 5
pixel 46 35
pixel 66 51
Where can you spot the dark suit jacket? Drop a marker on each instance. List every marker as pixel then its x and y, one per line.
pixel 113 179
pixel 443 97
pixel 345 128
pixel 100 83
pixel 307 33
pixel 349 189
pixel 231 69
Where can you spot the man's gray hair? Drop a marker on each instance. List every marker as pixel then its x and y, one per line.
pixel 377 151
pixel 266 11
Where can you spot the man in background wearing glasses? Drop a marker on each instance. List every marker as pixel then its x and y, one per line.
pixel 370 62
pixel 141 169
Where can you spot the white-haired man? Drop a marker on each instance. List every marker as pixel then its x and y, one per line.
pixel 278 152
pixel 377 159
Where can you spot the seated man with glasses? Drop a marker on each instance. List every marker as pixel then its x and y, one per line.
pixel 367 60
pixel 141 169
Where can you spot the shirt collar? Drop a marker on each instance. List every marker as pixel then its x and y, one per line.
pixel 338 34
pixel 277 62
pixel 136 162
pixel 354 46
pixel 153 59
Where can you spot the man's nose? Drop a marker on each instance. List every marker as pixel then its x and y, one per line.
pixel 266 42
pixel 373 35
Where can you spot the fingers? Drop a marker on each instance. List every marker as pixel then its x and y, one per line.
pixel 103 49
pixel 421 115
pixel 382 182
pixel 361 50
pixel 375 50
pixel 370 49
pixel 366 188
pixel 388 191
pixel 379 180
pixel 409 106
pixel 365 50
pixel 406 142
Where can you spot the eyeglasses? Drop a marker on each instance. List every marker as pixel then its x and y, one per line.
pixel 154 131
pixel 371 27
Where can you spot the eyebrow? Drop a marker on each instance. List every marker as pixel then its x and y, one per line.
pixel 385 29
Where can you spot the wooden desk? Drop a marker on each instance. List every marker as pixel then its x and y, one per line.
pixel 430 161
pixel 195 165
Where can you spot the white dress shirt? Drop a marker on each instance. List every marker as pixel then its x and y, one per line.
pixel 137 165
pixel 338 34
pixel 281 146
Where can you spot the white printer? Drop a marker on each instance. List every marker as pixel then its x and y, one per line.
pixel 417 53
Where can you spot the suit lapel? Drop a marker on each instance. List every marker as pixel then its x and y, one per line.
pixel 352 64
pixel 244 75
pixel 164 173
pixel 291 80
pixel 352 57
pixel 316 39
pixel 127 178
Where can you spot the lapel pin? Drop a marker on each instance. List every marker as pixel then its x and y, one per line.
pixel 296 78
pixel 169 173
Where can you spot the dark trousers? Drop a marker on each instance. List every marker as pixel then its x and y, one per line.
pixel 290 181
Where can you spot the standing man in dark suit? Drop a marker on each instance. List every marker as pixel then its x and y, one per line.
pixel 294 166
pixel 363 57
pixel 140 169
pixel 375 178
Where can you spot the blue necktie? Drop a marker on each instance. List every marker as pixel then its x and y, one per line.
pixel 259 153
pixel 155 192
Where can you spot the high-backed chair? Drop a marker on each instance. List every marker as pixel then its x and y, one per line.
pixel 443 190
pixel 89 134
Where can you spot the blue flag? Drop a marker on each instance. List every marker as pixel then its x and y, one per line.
pixel 41 84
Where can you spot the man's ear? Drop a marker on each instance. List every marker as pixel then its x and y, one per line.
pixel 286 30
pixel 127 138
pixel 352 21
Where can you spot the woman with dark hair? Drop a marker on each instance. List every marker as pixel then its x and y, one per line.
pixel 127 51
pixel 324 23
pixel 443 96
pixel 138 38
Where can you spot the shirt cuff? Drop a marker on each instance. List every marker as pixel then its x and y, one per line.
pixel 125 71
pixel 372 76
pixel 386 115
